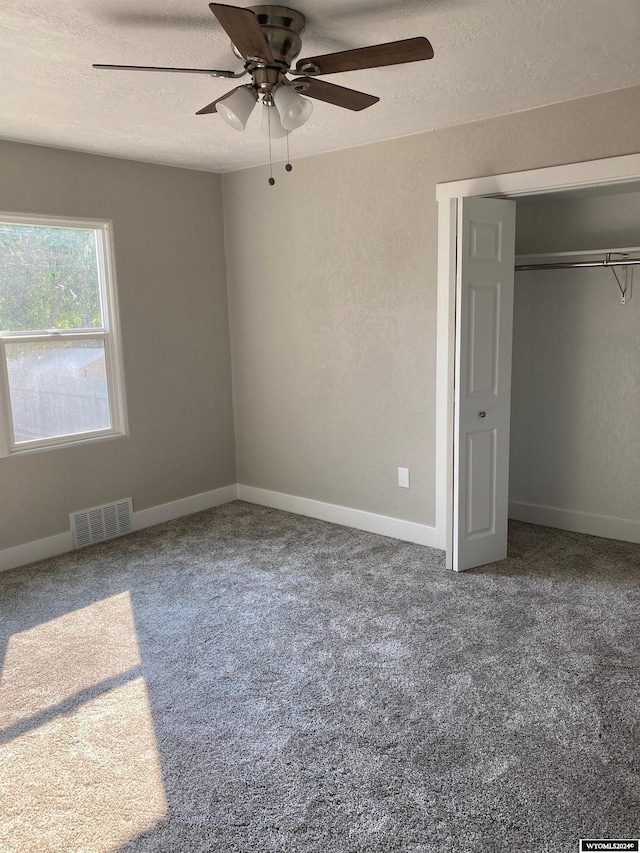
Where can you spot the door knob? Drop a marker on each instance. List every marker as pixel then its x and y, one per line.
pixel 482 414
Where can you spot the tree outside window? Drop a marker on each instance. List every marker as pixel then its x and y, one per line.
pixel 58 346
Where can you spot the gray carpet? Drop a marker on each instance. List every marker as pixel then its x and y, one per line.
pixel 316 688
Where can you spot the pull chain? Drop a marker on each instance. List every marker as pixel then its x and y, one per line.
pixel 288 167
pixel 272 180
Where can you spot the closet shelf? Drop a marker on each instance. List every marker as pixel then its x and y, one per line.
pixel 612 259
pixel 567 265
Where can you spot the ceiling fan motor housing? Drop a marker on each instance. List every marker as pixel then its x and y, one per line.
pixel 282 28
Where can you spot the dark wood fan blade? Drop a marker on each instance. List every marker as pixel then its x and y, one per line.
pixel 392 53
pixel 242 27
pixel 211 108
pixel 212 71
pixel 338 95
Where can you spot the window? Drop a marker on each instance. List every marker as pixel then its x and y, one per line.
pixel 60 375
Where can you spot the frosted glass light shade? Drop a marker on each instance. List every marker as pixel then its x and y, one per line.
pixel 236 109
pixel 271 116
pixel 293 108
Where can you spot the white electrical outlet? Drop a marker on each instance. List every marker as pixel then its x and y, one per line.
pixel 403 477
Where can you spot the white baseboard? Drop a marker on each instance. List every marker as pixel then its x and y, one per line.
pixel 396 528
pixel 185 506
pixel 579 522
pixel 30 552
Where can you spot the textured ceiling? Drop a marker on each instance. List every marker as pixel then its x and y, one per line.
pixel 491 57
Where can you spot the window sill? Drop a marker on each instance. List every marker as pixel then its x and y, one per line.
pixel 63 443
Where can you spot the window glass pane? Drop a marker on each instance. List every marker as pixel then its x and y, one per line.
pixel 48 278
pixel 57 388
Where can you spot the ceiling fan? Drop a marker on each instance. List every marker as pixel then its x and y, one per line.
pixel 268 39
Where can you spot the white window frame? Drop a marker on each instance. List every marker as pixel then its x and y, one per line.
pixel 109 333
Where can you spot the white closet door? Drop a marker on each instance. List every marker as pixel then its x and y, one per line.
pixel 484 323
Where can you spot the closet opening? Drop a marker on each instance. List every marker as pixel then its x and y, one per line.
pixel 573 211
pixel 575 391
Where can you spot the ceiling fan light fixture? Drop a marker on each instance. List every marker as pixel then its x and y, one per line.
pixel 237 108
pixel 271 124
pixel 294 110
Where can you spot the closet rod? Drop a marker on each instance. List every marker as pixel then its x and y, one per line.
pixel 618 262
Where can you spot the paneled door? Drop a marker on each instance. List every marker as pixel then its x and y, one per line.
pixel 482 398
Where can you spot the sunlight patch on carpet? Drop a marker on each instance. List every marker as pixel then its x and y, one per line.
pixel 51 662
pixel 79 766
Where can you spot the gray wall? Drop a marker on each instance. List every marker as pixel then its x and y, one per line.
pixel 332 283
pixel 168 234
pixel 576 364
pixel 579 223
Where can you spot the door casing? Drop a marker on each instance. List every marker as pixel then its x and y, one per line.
pixel 594 173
